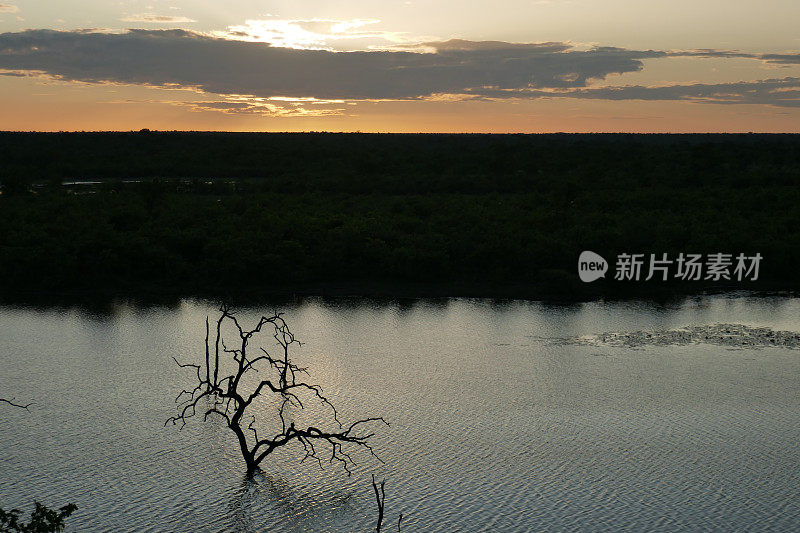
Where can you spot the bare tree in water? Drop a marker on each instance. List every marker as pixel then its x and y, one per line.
pixel 232 378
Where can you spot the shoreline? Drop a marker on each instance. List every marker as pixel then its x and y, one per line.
pixel 386 291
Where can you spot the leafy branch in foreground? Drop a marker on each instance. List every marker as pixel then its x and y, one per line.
pixel 230 394
pixel 43 519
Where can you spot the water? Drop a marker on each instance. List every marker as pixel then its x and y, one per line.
pixel 504 417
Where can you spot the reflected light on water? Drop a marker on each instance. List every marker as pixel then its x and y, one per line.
pixel 494 426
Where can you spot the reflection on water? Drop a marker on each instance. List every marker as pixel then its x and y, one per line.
pixel 495 427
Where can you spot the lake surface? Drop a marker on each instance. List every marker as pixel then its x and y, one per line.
pixel 505 416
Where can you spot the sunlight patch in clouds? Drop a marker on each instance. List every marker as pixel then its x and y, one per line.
pixel 315 34
pixel 158 19
pixel 263 109
pixel 242 104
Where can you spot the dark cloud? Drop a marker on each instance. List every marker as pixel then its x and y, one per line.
pixel 463 45
pixel 488 69
pixel 783 59
pixel 783 92
pixel 236 67
pixel 778 92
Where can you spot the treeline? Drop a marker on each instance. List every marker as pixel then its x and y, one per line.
pixel 403 164
pixel 472 214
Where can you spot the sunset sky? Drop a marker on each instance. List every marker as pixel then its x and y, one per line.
pixel 395 65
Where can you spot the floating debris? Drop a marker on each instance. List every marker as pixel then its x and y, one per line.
pixel 729 335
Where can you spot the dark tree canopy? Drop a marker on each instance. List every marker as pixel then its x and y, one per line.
pixel 385 215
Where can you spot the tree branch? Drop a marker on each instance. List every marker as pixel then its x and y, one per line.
pixel 13 404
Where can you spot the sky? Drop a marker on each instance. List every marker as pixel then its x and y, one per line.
pixel 401 65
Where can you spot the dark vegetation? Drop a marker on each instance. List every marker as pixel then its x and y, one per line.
pixel 42 519
pixel 492 215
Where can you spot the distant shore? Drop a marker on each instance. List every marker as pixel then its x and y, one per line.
pixel 387 216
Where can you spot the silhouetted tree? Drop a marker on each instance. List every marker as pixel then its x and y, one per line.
pixel 230 394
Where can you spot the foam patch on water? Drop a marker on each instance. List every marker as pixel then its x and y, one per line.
pixel 735 336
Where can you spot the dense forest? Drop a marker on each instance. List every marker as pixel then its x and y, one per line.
pixel 485 215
